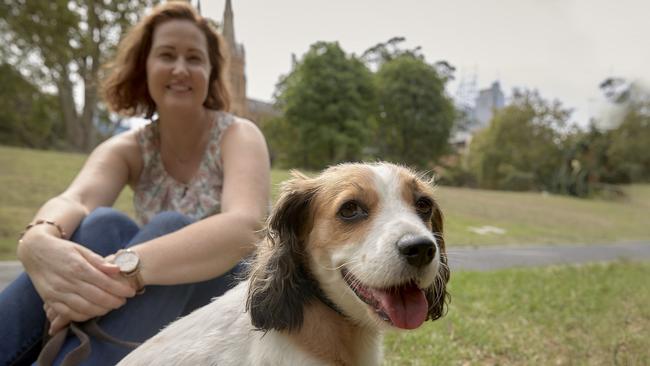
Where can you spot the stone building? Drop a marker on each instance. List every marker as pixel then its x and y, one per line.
pixel 255 110
pixel 236 73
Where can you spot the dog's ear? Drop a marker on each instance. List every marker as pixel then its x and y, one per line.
pixel 437 295
pixel 279 282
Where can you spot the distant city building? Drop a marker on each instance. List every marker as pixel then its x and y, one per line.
pixel 488 101
pixel 476 110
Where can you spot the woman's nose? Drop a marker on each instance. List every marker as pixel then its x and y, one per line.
pixel 180 66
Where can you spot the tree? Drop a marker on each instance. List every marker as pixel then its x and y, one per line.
pixel 326 102
pixel 585 164
pixel 29 117
pixel 628 151
pixel 383 52
pixel 59 45
pixel 522 147
pixel 415 116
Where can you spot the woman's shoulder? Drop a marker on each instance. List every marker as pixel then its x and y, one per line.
pixel 232 129
pixel 243 137
pixel 241 127
pixel 124 142
pixel 126 147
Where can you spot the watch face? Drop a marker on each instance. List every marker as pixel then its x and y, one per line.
pixel 127 261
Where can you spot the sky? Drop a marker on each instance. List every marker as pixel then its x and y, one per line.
pixel 562 48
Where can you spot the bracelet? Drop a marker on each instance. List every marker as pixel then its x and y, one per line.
pixel 41 221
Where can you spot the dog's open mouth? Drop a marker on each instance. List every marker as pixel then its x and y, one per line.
pixel 404 306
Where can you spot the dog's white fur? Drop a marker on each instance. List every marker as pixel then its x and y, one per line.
pixel 222 332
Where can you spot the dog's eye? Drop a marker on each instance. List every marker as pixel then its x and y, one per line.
pixel 351 210
pixel 424 206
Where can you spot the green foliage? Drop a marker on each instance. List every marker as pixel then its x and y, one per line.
pixel 384 52
pixel 629 151
pixel 521 149
pixel 58 44
pixel 335 109
pixel 599 157
pixel 29 118
pixel 326 102
pixel 415 116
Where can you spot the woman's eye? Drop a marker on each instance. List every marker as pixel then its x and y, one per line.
pixel 424 206
pixel 351 210
pixel 166 56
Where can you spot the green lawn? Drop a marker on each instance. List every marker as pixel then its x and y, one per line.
pixel 537 218
pixel 569 315
pixel 30 177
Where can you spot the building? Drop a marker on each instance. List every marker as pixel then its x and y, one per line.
pixel 236 72
pixel 255 110
pixel 488 101
pixel 477 116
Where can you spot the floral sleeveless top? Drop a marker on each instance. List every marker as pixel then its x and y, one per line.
pixel 157 191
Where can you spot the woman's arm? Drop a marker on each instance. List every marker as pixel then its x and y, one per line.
pixel 71 279
pixel 210 247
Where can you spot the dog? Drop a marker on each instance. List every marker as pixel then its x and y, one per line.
pixel 347 255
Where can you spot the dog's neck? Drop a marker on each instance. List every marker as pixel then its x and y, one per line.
pixel 320 295
pixel 331 337
pixel 311 286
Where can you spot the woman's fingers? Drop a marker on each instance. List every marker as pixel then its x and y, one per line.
pixel 49 312
pixel 98 261
pixel 95 274
pixel 69 281
pixel 57 324
pixel 72 310
pixel 100 297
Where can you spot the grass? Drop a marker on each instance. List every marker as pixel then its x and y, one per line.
pixel 570 315
pixel 539 218
pixel 30 177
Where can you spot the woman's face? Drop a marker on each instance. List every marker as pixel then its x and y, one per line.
pixel 178 67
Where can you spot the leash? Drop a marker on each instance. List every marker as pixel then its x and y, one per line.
pixel 83 331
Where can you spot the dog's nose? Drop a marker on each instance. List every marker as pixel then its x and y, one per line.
pixel 418 251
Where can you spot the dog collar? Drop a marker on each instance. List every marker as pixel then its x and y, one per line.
pixel 320 295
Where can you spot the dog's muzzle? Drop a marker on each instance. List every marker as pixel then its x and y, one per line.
pixel 403 306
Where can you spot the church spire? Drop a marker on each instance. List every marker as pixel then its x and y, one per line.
pixel 229 25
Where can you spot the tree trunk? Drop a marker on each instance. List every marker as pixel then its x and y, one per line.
pixel 87 116
pixel 73 132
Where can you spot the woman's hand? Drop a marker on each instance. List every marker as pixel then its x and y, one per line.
pixel 74 283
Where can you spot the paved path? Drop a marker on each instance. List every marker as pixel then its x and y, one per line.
pixel 490 258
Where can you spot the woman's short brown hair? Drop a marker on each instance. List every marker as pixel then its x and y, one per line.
pixel 125 88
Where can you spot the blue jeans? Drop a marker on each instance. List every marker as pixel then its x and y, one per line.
pixel 105 231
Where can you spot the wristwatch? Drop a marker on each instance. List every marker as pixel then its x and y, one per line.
pixel 129 263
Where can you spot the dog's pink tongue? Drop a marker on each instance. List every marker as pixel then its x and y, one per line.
pixel 406 306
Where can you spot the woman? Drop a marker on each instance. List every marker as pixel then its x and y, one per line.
pixel 200 178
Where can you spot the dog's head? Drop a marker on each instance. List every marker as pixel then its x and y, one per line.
pixel 365 237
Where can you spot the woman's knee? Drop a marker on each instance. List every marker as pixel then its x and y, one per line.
pixel 105 230
pixel 162 224
pixel 170 221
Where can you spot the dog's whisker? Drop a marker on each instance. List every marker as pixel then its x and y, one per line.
pixel 345 264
